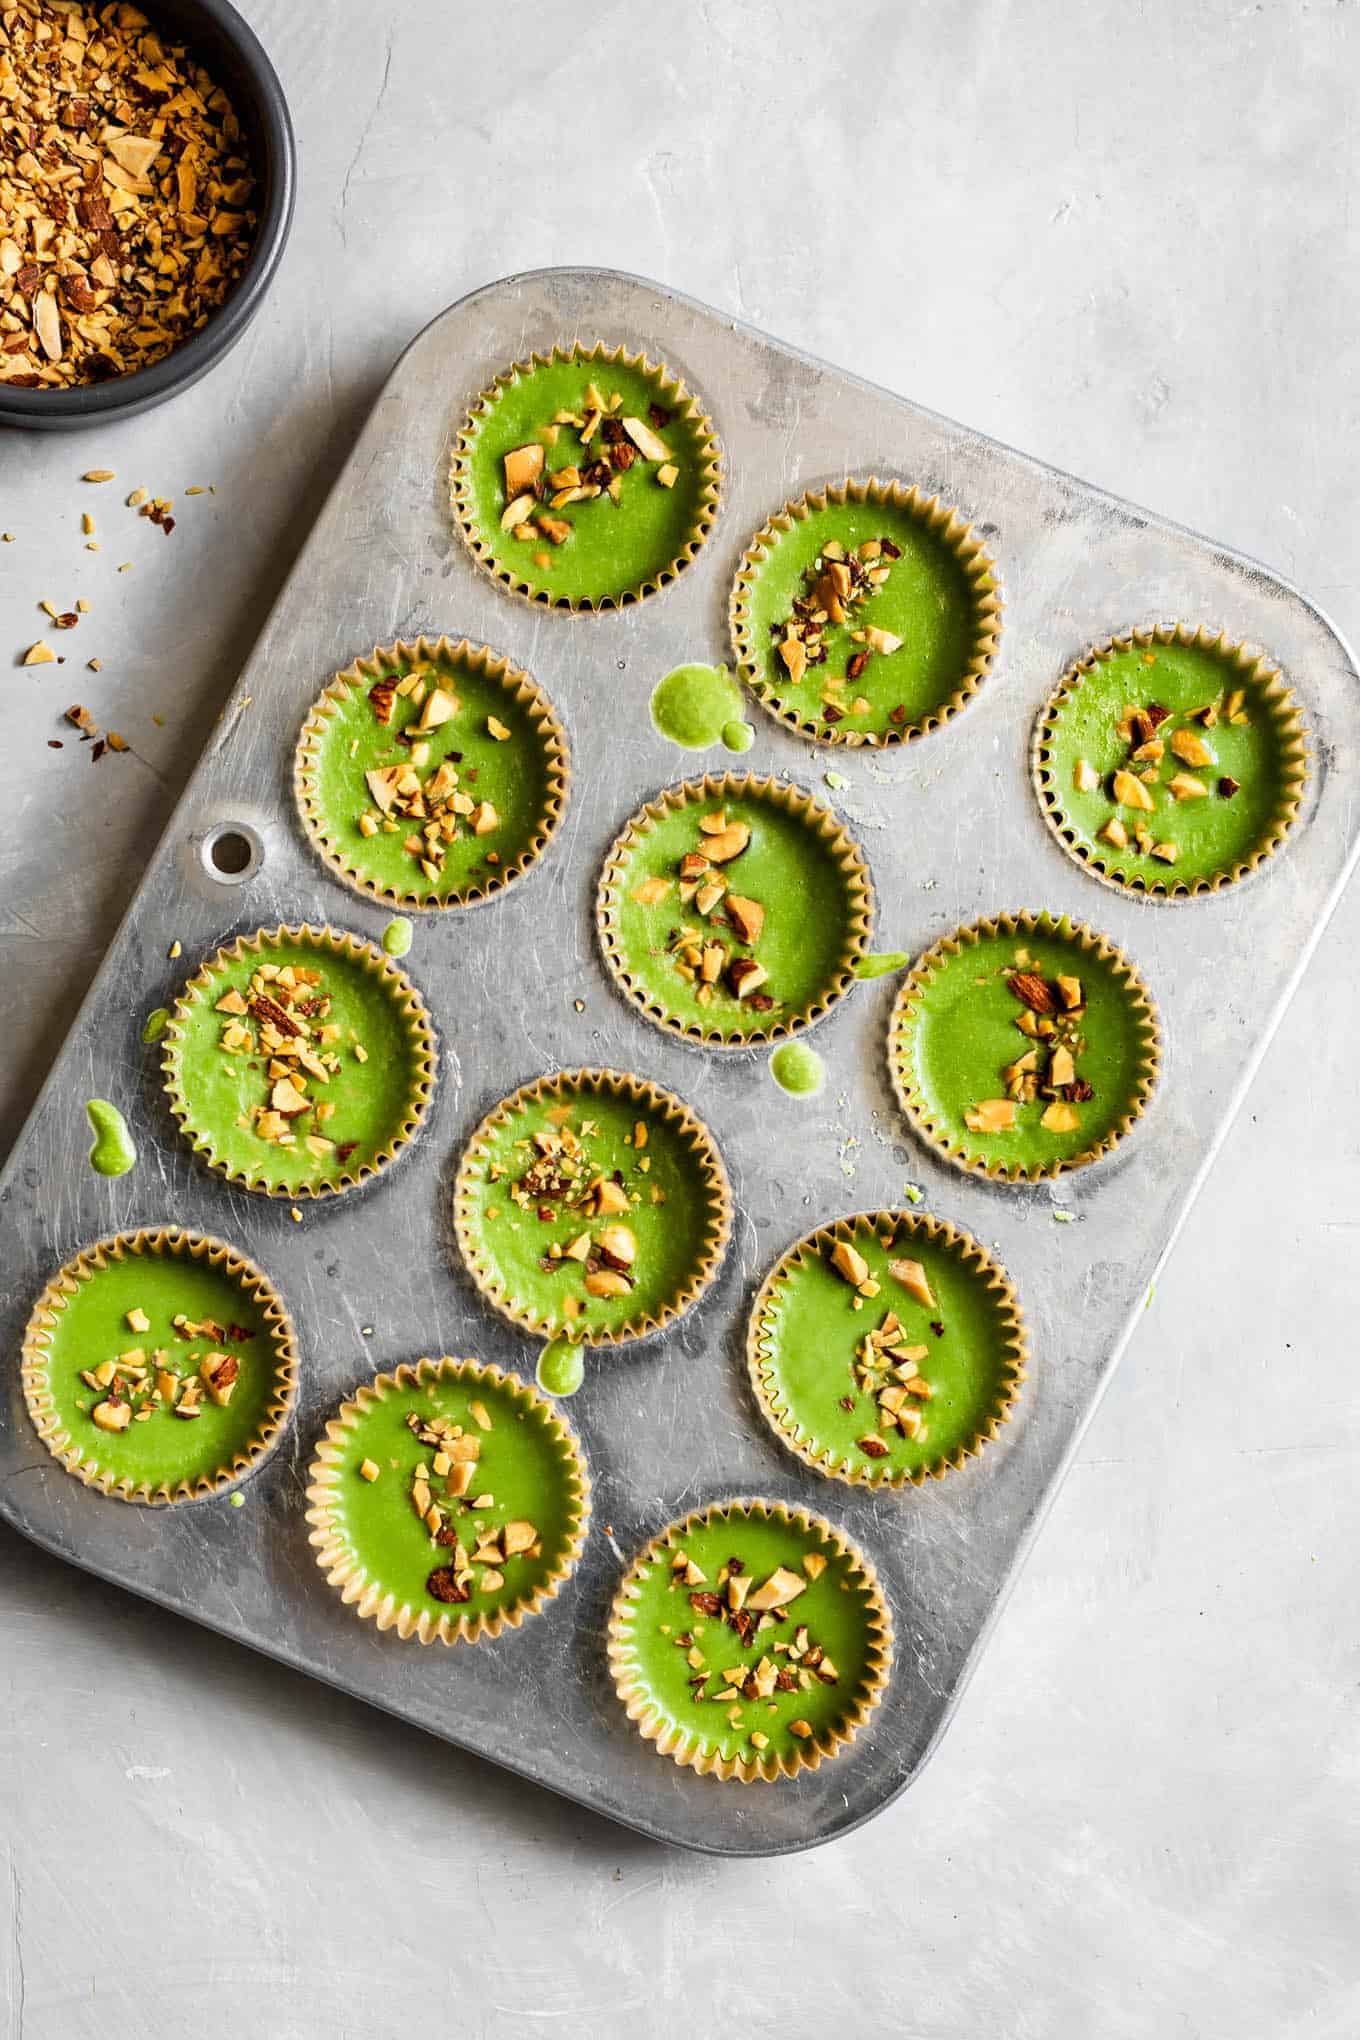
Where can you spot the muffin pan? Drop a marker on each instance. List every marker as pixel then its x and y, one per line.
pixel 953 829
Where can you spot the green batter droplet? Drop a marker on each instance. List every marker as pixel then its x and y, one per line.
pixel 882 963
pixel 691 706
pixel 155 1025
pixel 737 736
pixel 113 1153
pixel 797 1069
pixel 398 936
pixel 561 1367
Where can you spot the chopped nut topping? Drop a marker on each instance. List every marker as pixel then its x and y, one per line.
pixel 119 243
pixel 992 1115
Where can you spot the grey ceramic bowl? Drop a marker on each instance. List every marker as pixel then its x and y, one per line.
pixel 230 50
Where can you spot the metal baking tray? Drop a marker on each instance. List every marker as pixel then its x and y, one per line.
pixel 952 829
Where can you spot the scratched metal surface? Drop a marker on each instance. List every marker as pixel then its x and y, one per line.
pixel 951 829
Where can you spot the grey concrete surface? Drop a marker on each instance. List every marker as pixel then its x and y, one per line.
pixel 1124 238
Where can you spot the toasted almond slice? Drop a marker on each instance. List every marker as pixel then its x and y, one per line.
pixel 440 707
pixel 991 1115
pixel 523 466
pixel 1131 792
pixel 778 1590
pixel 849 1263
pixel 1185 786
pixel 727 843
pixel 645 440
pixel 1060 1117
pixel 518 1536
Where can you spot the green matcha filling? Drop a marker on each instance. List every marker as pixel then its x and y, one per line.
pixel 295 1065
pixel 431 781
pixel 454 1494
pixel 161 1369
pixel 734 915
pixel 584 480
pixel 886 1352
pixel 587 1210
pixel 751 1635
pixel 1025 1051
pixel 861 620
pixel 1165 764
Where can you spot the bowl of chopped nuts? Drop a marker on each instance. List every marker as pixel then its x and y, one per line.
pixel 147 171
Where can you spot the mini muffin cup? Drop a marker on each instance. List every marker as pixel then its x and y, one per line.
pixel 906 1008
pixel 939 519
pixel 85 1267
pixel 670 391
pixel 369 1598
pixel 904 1226
pixel 1243 666
pixel 326 942
pixel 647 1098
pixel 358 678
pixel 819 819
pixel 630 1680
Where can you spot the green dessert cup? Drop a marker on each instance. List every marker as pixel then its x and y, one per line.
pixel 866 613
pixel 159 1366
pixel 886 1349
pixel 448 1501
pixel 299 1061
pixel 431 774
pixel 1023 1046
pixel 732 910
pixel 1171 762
pixel 750 1641
pixel 592 1203
pixel 585 479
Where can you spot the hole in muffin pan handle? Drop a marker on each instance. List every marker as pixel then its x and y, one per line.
pixel 231 852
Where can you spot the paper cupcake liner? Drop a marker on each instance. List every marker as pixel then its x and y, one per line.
pixel 518 686
pixel 677 399
pixel 1253 669
pixel 678 1743
pixel 939 519
pixel 367 1597
pixel 823 823
pixel 325 941
pixel 906 1008
pixel 83 1267
pixel 647 1097
pixel 902 1225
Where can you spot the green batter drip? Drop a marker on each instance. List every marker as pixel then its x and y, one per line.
pixel 694 706
pixel 114 1151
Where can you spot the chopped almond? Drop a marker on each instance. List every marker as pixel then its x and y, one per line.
pixel 523 467
pixel 991 1115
